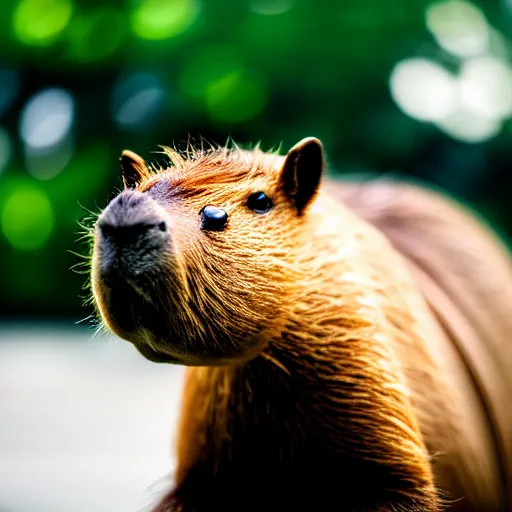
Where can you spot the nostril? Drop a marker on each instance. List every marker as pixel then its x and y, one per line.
pixel 126 232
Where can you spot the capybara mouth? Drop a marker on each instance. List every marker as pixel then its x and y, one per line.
pixel 155 356
pixel 136 314
pixel 127 307
pixel 129 304
pixel 132 311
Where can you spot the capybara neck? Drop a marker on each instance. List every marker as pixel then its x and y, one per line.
pixel 334 352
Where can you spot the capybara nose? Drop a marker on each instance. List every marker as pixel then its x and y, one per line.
pixel 132 236
pixel 128 233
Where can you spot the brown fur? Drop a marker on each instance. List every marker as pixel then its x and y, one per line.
pixel 325 374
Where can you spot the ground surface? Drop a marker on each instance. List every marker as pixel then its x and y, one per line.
pixel 85 426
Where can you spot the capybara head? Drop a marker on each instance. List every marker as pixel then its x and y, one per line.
pixel 193 263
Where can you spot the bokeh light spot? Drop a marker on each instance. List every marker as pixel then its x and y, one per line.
pixel 270 7
pixel 44 164
pixel 236 97
pixel 498 44
pixel 47 118
pixel 139 106
pixel 469 107
pixel 208 66
pixel 5 149
pixel 486 87
pixel 39 22
pixel 96 35
pixel 231 93
pixel 423 89
pixel 9 84
pixel 137 100
pixel 27 218
pixel 163 19
pixel 459 27
pixel 467 126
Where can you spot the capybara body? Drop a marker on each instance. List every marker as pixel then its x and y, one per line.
pixel 347 343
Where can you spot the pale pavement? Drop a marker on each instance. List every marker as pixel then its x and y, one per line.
pixel 85 426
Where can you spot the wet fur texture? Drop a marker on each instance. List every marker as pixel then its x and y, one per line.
pixel 323 374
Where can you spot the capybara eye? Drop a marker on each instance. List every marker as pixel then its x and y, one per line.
pixel 213 218
pixel 259 202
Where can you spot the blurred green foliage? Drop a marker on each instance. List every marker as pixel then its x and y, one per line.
pixel 415 86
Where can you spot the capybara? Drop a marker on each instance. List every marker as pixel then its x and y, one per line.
pixel 348 343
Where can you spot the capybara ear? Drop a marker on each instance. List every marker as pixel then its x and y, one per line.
pixel 133 168
pixel 302 171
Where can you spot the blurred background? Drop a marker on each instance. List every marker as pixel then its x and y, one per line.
pixel 417 87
